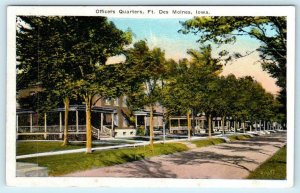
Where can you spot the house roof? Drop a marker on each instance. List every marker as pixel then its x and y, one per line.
pixel 73 108
pixel 147 113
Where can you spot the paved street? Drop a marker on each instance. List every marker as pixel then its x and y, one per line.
pixel 231 160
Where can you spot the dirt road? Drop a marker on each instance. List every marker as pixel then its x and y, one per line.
pixel 231 160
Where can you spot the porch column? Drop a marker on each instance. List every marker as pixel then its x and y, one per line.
pixel 112 125
pixel 213 125
pixel 77 130
pixel 145 123
pixel 255 126
pixel 60 122
pixel 136 122
pixel 234 126
pixel 218 124
pixel 30 122
pixel 45 122
pixel 228 125
pixel 101 122
pixel 264 125
pixel 170 126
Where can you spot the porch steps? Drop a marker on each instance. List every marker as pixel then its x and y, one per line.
pixel 30 170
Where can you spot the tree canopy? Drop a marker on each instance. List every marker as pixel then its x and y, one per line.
pixel 146 67
pixel 269 31
pixel 66 57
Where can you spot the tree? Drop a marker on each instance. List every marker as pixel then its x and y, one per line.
pixel 146 90
pixel 94 39
pixel 269 31
pixel 210 68
pixel 226 97
pixel 179 94
pixel 193 86
pixel 42 50
pixel 68 54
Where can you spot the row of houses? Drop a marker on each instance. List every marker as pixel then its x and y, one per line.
pixel 110 118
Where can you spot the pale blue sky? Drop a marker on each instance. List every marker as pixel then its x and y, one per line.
pixel 163 33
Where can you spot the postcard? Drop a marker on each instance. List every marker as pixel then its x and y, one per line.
pixel 150 96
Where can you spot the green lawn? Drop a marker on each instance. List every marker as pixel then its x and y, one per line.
pixel 273 169
pixel 64 164
pixel 207 142
pixel 238 137
pixel 29 147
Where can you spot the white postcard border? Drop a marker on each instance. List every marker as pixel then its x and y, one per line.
pixel 12 180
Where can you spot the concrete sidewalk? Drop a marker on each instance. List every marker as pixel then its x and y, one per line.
pixel 232 160
pixel 81 150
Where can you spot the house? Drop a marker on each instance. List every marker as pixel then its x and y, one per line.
pixel 110 118
pixel 125 122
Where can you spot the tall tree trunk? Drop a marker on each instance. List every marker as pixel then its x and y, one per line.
pixel 193 122
pixel 88 124
pixel 222 125
pixel 151 129
pixel 209 125
pixel 66 128
pixel 189 124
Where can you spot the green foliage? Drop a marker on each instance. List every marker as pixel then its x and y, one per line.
pixel 65 56
pixel 64 164
pixel 274 168
pixel 238 137
pixel 145 68
pixel 141 131
pixel 187 86
pixel 208 142
pixel 270 31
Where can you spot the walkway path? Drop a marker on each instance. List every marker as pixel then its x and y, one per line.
pixel 136 144
pixel 231 160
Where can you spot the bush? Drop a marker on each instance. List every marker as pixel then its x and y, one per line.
pixel 141 131
pixel 207 142
pixel 238 137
